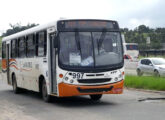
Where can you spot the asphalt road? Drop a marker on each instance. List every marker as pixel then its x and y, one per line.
pixel 130 67
pixel 29 106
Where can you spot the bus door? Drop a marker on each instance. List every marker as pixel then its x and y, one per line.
pixel 52 61
pixel 8 64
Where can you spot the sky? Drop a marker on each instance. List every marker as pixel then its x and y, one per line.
pixel 129 13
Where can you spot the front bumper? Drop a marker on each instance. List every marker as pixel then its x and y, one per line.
pixel 75 90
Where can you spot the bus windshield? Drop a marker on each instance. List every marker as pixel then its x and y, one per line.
pixel 132 47
pixel 90 49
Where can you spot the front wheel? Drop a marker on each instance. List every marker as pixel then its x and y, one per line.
pixel 139 72
pixel 45 95
pixel 96 97
pixel 156 73
pixel 16 89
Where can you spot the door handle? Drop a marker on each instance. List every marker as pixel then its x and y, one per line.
pixel 44 60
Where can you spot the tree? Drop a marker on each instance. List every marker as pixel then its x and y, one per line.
pixel 155 41
pixel 140 34
pixel 17 28
pixel 143 29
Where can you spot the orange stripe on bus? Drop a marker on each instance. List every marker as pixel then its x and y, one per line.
pixel 14 66
pixel 11 60
pixel 4 63
pixel 18 68
pixel 26 69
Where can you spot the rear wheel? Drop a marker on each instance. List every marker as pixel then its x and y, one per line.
pixel 139 72
pixel 45 96
pixel 96 97
pixel 16 89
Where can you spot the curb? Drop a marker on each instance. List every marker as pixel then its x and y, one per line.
pixel 144 90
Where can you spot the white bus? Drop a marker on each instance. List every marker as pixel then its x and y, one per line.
pixel 65 58
pixel 131 51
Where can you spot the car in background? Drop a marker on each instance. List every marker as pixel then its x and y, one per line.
pixel 155 66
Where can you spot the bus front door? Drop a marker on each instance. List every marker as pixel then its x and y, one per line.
pixel 52 63
pixel 8 64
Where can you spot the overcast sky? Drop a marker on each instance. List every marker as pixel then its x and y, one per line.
pixel 129 13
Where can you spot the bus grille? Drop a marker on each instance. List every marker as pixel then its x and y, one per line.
pixel 94 80
pixel 93 90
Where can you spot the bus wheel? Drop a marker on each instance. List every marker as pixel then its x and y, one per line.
pixel 15 88
pixel 96 97
pixel 45 95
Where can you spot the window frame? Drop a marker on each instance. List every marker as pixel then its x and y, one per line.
pixel 39 44
pixel 24 47
pixel 34 46
pixel 143 61
pixel 148 62
pixel 4 51
pixel 15 49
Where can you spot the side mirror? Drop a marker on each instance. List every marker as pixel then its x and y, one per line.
pixel 150 64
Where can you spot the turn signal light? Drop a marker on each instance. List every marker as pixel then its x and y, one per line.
pixel 123 73
pixel 61 75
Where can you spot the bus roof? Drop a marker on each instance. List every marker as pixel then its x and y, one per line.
pixel 42 27
pixel 30 31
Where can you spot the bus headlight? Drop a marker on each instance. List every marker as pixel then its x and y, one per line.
pixel 66 78
pixel 71 81
pixel 120 76
pixel 116 79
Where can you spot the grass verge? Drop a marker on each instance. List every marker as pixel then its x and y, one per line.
pixel 145 82
pixel 157 56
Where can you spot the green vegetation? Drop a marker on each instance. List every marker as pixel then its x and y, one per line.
pixel 150 56
pixel 139 35
pixel 145 82
pixel 17 28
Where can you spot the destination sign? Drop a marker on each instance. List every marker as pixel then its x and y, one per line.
pixel 87 24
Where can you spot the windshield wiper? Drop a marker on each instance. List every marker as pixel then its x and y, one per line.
pixel 101 39
pixel 77 38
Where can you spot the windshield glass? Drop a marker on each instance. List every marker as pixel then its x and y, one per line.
pixel 159 61
pixel 132 47
pixel 90 49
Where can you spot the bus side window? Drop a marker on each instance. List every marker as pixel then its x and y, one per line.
pixel 21 47
pixel 13 48
pixel 30 48
pixel 3 50
pixel 41 44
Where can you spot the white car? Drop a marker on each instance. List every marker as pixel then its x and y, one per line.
pixel 155 66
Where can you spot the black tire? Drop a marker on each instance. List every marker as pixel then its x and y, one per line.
pixel 96 97
pixel 16 89
pixel 139 72
pixel 45 96
pixel 156 73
